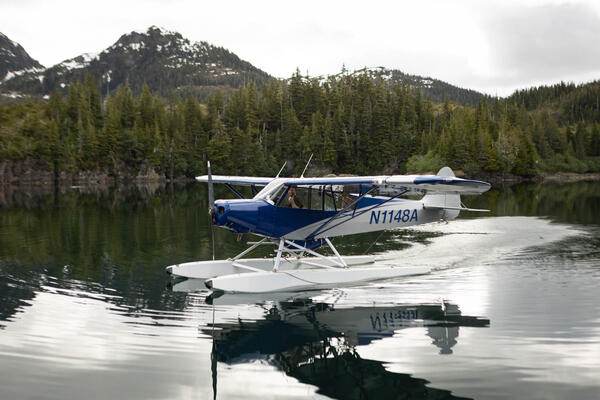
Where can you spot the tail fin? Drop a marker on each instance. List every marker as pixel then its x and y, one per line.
pixel 444 200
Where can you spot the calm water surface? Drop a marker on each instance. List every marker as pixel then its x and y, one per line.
pixel 512 309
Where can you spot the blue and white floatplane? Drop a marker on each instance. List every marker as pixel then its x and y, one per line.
pixel 299 215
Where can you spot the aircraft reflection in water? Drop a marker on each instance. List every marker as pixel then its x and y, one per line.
pixel 316 344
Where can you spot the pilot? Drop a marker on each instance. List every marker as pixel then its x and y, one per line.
pixel 293 200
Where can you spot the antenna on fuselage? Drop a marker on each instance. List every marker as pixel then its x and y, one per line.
pixel 307 164
pixel 282 167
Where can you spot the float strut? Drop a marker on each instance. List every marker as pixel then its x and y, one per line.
pixel 336 253
pixel 278 258
pixel 248 250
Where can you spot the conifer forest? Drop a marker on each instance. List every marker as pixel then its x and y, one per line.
pixel 352 124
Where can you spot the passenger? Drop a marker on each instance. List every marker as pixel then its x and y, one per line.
pixel 347 198
pixel 293 200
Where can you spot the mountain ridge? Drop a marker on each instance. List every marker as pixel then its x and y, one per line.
pixel 14 60
pixel 434 89
pixel 162 59
pixel 166 61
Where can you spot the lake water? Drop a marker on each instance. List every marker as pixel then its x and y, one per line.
pixel 511 310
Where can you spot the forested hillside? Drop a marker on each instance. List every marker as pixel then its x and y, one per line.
pixel 351 123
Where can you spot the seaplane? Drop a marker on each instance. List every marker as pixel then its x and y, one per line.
pixel 300 215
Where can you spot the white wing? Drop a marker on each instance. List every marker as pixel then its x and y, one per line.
pixel 237 180
pixel 422 184
pixel 444 182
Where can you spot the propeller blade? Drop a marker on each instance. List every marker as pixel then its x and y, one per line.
pixel 212 239
pixel 211 193
pixel 212 211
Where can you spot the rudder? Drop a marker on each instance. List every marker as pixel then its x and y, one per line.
pixel 444 200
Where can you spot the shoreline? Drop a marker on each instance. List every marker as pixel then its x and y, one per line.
pixel 570 177
pixel 545 177
pixel 101 181
pixel 31 173
pixel 34 173
pixel 31 193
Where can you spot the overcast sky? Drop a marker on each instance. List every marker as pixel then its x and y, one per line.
pixel 490 46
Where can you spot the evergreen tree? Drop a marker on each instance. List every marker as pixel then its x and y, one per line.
pixel 219 148
pixel 94 103
pixel 526 157
pixel 594 149
pixel 580 141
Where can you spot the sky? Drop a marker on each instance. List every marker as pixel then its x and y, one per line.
pixel 491 46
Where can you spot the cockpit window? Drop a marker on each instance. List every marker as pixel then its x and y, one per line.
pixel 272 191
pixel 276 195
pixel 321 197
pixel 317 197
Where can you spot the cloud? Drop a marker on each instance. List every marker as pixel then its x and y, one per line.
pixel 544 43
pixel 494 46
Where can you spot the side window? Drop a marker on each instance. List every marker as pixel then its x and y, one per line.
pixel 295 197
pixel 301 200
pixel 333 199
pixel 329 201
pixel 348 194
pixel 306 197
pixel 315 197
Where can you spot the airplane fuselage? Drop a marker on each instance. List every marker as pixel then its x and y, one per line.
pixel 263 218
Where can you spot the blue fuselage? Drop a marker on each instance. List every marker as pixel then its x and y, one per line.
pixel 261 217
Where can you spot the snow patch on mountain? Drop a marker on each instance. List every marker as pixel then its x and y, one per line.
pixel 136 46
pixel 12 95
pixel 163 31
pixel 81 61
pixel 11 74
pixel 6 53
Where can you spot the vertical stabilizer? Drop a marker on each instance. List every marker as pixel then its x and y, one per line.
pixel 444 200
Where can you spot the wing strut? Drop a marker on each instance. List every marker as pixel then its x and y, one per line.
pixel 238 194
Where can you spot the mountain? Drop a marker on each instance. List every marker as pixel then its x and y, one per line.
pixel 162 59
pixel 433 89
pixel 14 60
pixel 166 61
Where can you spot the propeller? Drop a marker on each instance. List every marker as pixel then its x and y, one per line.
pixel 212 211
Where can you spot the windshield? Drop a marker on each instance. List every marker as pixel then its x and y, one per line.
pixel 271 191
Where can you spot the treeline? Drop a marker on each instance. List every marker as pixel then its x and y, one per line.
pixel 351 123
pixel 575 103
